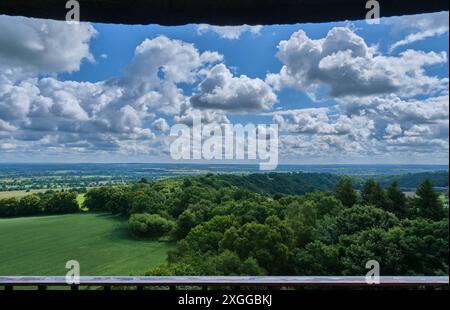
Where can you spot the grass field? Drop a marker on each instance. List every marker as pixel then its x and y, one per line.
pixel 43 245
pixel 19 194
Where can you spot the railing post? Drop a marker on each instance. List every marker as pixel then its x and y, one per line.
pixel 9 287
pixel 42 287
pixel 74 287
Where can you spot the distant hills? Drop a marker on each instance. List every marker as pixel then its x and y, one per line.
pixel 298 183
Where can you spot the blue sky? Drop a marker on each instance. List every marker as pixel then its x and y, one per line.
pixel 251 54
pixel 344 92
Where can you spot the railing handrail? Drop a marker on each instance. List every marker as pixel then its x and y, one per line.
pixel 287 281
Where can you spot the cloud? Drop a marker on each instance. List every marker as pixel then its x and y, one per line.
pixel 424 26
pixel 31 46
pixel 429 110
pixel 346 66
pixel 393 130
pixel 158 66
pixel 383 129
pixel 419 36
pixel 113 115
pixel 188 113
pixel 312 121
pixel 161 125
pixel 321 121
pixel 5 126
pixel 229 32
pixel 222 91
pixel 316 132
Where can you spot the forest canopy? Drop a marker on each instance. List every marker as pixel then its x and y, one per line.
pixel 272 224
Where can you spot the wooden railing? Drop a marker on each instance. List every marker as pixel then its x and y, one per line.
pixel 42 283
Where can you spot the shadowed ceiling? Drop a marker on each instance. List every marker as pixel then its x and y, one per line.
pixel 217 12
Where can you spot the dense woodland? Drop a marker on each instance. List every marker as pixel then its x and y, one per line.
pixel 46 203
pixel 272 224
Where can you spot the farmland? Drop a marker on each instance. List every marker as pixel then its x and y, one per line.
pixel 101 243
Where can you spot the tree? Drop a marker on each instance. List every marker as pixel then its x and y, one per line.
pixel 147 201
pixel 428 203
pixel 425 246
pixel 318 259
pixel 396 200
pixel 149 225
pixel 62 202
pixel 372 194
pixel 302 219
pixel 270 244
pixel 228 263
pixel 345 192
pixel 205 238
pixel 191 195
pixel 328 205
pixel 29 205
pixel 192 216
pixel 8 207
pixel 119 202
pixel 96 199
pixel 359 218
pixel 372 244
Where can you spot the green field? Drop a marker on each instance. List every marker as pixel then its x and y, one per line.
pixel 101 243
pixel 19 194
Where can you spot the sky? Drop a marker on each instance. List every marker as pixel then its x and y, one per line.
pixel 341 92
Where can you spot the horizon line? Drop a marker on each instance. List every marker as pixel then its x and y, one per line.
pixel 224 164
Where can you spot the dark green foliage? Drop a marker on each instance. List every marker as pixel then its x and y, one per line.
pixel 425 246
pixel 373 194
pixel 9 207
pixel 269 244
pixel 318 259
pixel 149 225
pixel 96 199
pixel 225 230
pixel 30 205
pixel 192 216
pixel 359 218
pixel 147 201
pixel 345 192
pixel 296 183
pixel 230 264
pixel 428 203
pixel 396 200
pixel 413 180
pixel 372 244
pixel 205 238
pixel 50 202
pixel 63 202
pixel 119 201
pixel 302 218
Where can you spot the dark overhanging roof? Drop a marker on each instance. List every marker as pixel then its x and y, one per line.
pixel 218 12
